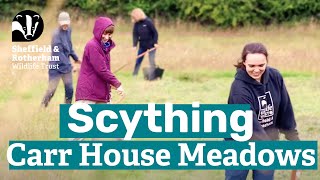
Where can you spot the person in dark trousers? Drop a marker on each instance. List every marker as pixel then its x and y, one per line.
pixel 61 47
pixel 144 33
pixel 263 88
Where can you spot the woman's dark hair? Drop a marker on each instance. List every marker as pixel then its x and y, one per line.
pixel 251 48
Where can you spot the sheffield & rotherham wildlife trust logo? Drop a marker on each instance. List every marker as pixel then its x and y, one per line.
pixel 27 26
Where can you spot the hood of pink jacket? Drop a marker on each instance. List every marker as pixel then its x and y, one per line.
pixel 100 25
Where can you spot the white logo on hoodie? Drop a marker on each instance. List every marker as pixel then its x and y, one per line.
pixel 266 110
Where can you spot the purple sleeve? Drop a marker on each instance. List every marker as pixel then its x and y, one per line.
pixel 100 66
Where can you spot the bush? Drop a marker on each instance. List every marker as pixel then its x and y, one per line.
pixel 221 13
pixel 8 9
pixel 246 12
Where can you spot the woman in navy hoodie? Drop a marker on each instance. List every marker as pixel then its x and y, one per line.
pixel 146 34
pixel 263 88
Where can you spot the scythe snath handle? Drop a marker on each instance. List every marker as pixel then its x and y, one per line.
pixel 119 100
pixel 140 55
pixel 295 174
pixel 149 50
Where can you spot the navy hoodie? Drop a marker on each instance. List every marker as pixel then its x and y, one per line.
pixel 145 32
pixel 269 101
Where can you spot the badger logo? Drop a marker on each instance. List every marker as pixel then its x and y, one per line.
pixel 27 25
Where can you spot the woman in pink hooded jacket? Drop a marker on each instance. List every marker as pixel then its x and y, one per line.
pixel 95 78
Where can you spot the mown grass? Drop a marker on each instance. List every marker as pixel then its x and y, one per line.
pixel 198 67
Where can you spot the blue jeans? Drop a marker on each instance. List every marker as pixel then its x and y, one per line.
pixel 54 78
pixel 152 55
pixel 256 174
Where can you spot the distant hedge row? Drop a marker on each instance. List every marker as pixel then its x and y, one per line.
pixel 245 12
pixel 223 13
pixel 226 13
pixel 9 8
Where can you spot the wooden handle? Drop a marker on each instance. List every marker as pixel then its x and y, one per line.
pixel 119 100
pixel 295 174
pixel 140 55
pixel 149 50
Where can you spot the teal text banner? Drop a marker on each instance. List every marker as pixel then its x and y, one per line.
pixel 155 121
pixel 162 155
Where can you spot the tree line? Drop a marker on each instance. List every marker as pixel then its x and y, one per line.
pixel 219 13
